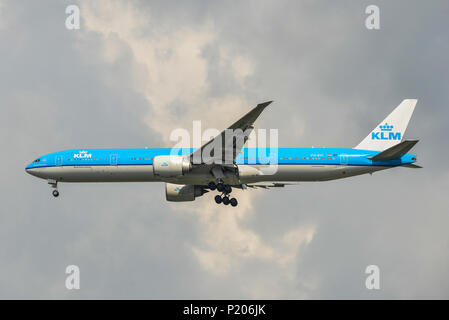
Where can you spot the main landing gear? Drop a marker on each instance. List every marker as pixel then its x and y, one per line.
pixel 225 200
pixel 224 197
pixel 54 185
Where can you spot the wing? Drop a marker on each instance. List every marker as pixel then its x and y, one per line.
pixel 227 145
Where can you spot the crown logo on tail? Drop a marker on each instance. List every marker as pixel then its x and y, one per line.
pixel 386 127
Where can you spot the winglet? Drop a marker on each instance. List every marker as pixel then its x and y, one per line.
pixel 245 124
pixel 248 119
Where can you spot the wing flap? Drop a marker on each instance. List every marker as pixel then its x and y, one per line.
pixel 269 185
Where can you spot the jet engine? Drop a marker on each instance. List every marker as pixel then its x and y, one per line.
pixel 171 166
pixel 182 192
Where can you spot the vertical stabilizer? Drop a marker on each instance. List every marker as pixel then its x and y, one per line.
pixel 391 130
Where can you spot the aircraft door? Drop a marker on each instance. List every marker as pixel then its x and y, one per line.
pixel 113 159
pixel 58 160
pixel 343 159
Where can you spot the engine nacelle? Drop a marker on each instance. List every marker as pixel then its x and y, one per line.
pixel 170 166
pixel 247 171
pixel 182 192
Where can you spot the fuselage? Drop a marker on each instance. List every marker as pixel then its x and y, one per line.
pixel 254 165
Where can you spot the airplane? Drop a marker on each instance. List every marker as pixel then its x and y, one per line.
pixel 188 174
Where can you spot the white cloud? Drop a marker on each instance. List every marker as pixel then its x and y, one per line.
pixel 173 65
pixel 227 245
pixel 176 71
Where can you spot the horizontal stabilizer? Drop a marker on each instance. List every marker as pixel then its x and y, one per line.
pixel 411 165
pixel 395 151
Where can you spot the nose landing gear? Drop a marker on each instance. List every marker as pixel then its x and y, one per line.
pixel 54 185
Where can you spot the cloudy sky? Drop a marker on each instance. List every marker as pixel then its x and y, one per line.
pixel 136 70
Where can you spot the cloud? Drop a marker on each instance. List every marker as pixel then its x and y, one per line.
pixel 226 243
pixel 176 70
pixel 173 61
pixel 135 71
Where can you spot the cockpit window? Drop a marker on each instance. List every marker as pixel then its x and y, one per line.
pixel 37 160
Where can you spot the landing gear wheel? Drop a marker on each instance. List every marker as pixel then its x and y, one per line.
pixel 233 202
pixel 228 188
pixel 226 201
pixel 218 199
pixel 220 187
pixel 55 193
pixel 212 186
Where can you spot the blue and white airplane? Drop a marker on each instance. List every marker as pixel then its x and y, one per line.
pixel 186 179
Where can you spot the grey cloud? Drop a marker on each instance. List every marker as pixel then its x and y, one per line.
pixel 332 81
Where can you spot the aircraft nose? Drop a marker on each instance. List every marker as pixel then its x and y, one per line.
pixel 29 168
pixel 32 171
pixel 34 167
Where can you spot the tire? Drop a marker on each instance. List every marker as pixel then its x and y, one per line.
pixel 228 188
pixel 212 186
pixel 226 201
pixel 234 202
pixel 55 193
pixel 220 187
pixel 218 199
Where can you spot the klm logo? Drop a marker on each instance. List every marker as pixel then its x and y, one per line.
pixel 82 155
pixel 386 133
pixel 164 164
pixel 178 189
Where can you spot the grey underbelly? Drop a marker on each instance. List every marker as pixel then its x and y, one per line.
pixel 313 173
pixel 145 174
pixel 99 173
